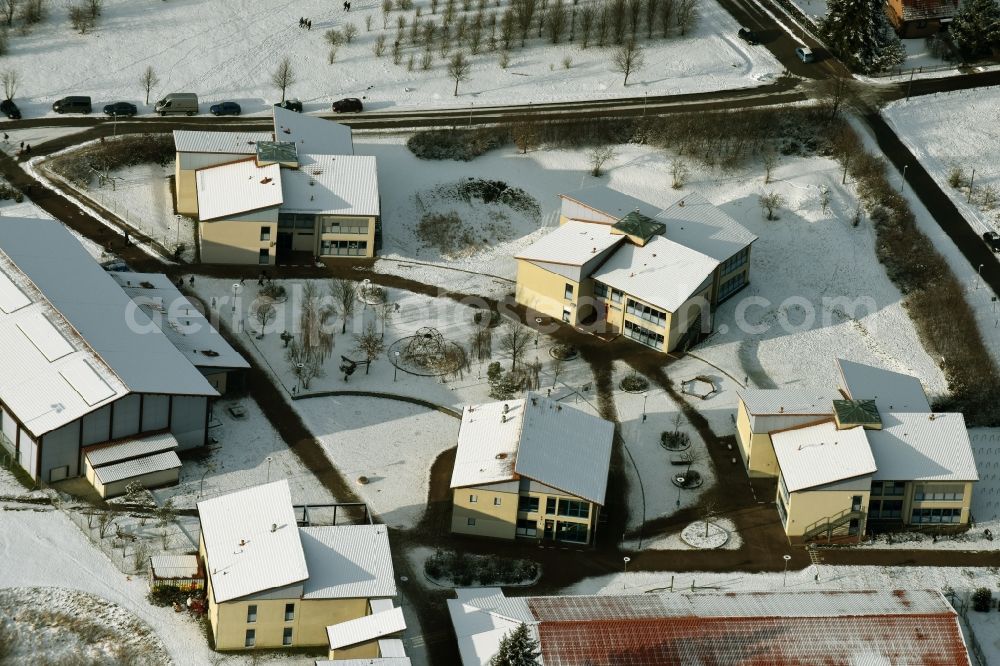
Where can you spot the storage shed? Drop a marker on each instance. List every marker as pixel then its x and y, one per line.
pixel 152 461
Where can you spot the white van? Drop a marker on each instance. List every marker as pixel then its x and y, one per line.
pixel 186 103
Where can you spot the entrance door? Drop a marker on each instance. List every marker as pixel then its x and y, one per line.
pixel 284 241
pixel 549 530
pixel 853 527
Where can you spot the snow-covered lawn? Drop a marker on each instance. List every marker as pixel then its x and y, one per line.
pixel 227 50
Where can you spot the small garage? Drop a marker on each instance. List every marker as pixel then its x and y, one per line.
pixel 150 460
pixel 184 571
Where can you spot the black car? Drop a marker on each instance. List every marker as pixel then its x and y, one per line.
pixel 992 239
pixel 291 104
pixel 9 109
pixel 348 104
pixel 226 109
pixel 120 109
pixel 749 36
pixel 72 104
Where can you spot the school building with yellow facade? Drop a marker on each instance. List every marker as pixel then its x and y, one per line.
pixel 530 469
pixel 620 266
pixel 871 456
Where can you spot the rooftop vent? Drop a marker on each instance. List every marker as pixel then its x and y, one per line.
pixel 265 180
pixel 501 456
pixel 681 204
pixel 243 542
pixel 506 408
pixel 274 527
pixel 503 418
pixel 286 130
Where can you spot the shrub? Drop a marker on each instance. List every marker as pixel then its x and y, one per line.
pixel 461 145
pixel 956 176
pixel 982 598
pixel 167 595
pixel 273 291
pixel 79 166
pixel 675 441
pixel 634 382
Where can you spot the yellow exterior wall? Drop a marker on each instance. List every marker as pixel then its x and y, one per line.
pixel 367 650
pixel 679 322
pixel 756 448
pixel 491 520
pixel 540 516
pixel 910 503
pixel 807 509
pixel 236 241
pixel 369 238
pixel 544 291
pixel 721 278
pixel 186 190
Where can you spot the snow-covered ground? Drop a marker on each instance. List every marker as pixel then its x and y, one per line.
pixel 229 49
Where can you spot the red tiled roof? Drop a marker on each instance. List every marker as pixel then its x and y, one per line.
pixel 900 640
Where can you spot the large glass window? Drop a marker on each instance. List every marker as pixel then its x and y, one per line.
pixel 735 261
pixel 731 285
pixel 938 493
pixel 574 508
pixel 286 636
pixel 651 315
pixel 885 509
pixel 264 257
pixel 600 290
pixel 936 516
pixel 616 296
pixel 527 504
pixel 888 488
pixel 576 532
pixel 526 528
pixel 550 505
pixel 343 248
pixel 345 228
pixel 643 335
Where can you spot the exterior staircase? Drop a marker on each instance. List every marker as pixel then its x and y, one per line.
pixel 835 526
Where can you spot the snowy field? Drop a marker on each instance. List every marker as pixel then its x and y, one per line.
pixel 227 50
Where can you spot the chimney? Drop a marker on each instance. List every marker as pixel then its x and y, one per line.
pixel 274 527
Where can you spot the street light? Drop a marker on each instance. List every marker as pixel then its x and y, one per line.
pixel 298 375
pixel 979 275
pixel 626 560
pixel 644 397
pixel 236 290
pixel 269 469
pixel 784 580
pixel 902 183
pixel 395 366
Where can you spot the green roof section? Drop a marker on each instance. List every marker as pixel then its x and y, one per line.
pixel 852 413
pixel 271 152
pixel 638 225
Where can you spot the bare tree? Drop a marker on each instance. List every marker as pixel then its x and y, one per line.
pixel 481 343
pixel 284 76
pixel 304 364
pixel 687 15
pixel 459 68
pixel 315 336
pixel 263 312
pixel 603 23
pixel 598 156
pixel 586 25
pixel 384 312
pixel 556 21
pixel 619 18
pixel 667 10
pixel 8 7
pixel 770 159
pixel 834 91
pixel 770 202
pixel 525 135
pixel 94 7
pixel 105 520
pixel 679 173
pixel 634 14
pixel 81 19
pixel 524 11
pixel 627 58
pixel 343 294
pixel 350 31
pixel 514 340
pixel 378 48
pixel 149 80
pixel 556 367
pixel 10 78
pixel 709 514
pixel 386 10
pixel 370 344
pixel 507 22
pixel 652 7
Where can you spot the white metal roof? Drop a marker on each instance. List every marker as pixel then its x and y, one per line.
pixel 237 187
pixel 535 438
pixel 478 631
pixel 174 566
pixel 374 661
pixel 244 554
pixel 182 322
pixel 891 391
pixel 311 134
pixel 573 243
pixel 662 273
pixel 820 454
pixel 391 648
pixel 612 202
pixel 347 561
pixel 137 467
pixel 923 447
pixel 695 222
pixel 367 628
pixel 332 184
pixel 798 401
pixel 130 447
pixel 226 143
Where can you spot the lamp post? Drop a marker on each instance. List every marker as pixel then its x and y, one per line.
pixel 395 366
pixel 644 397
pixel 979 275
pixel 645 94
pixel 236 291
pixel 626 560
pixel 298 376
pixel 784 580
pixel 902 182
pixel 269 469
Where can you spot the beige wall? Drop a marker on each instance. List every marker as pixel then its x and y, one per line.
pixel 756 448
pixel 910 503
pixel 236 241
pixel 158 479
pixel 807 509
pixel 544 291
pixel 540 517
pixel 367 650
pixel 186 190
pixel 491 520
pixel 369 237
pixel 678 323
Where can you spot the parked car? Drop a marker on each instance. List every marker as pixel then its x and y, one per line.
pixel 186 103
pixel 226 109
pixel 992 239
pixel 291 104
pixel 348 104
pixel 749 36
pixel 9 109
pixel 805 54
pixel 120 109
pixel 72 104
pixel 116 265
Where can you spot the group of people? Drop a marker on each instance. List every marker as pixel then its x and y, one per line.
pixel 305 23
pixel 347 5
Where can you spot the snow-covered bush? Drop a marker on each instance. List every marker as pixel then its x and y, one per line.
pixel 461 145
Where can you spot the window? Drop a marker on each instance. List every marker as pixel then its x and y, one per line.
pixel 286 636
pixel 890 488
pixel 473 499
pixel 526 528
pixel 527 504
pixel 576 532
pixel 568 293
pixel 731 285
pixel 471 522
pixel 567 315
pixel 936 516
pixel 345 228
pixel 265 233
pixel 651 315
pixel 496 501
pixel 574 508
pixel 550 505
pixel 600 290
pixel 885 509
pixel 643 335
pixel 251 638
pixel 735 261
pixel 286 221
pixel 782 511
pixel 251 613
pixel 616 296
pixel 289 612
pixel 938 492
pixel 305 223
pixel 343 248
pixel 264 258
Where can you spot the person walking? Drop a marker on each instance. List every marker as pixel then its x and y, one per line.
pixel 309 24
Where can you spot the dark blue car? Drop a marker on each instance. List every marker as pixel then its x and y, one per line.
pixel 120 109
pixel 226 109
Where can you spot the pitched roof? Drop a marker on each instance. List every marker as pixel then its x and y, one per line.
pixel 237 187
pixel 891 391
pixel 795 401
pixel 332 184
pixel 573 244
pixel 695 222
pixel 638 225
pixel 820 454
pixel 130 447
pixel 226 143
pixel 311 134
pixel 174 566
pixel 347 561
pixel 129 469
pixel 366 628
pixel 244 554
pixel 806 628
pixel 662 273
pixel 534 438
pixel 923 447
pixel 611 202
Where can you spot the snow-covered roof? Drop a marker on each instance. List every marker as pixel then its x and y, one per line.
pixel 661 272
pixel 311 134
pixel 616 204
pixel 174 566
pixel 891 391
pixel 347 561
pixel 923 447
pixel 237 187
pixel 573 244
pixel 534 437
pixel 129 469
pixel 252 541
pixel 226 143
pixel 331 184
pixel 182 322
pixel 72 339
pixel 797 401
pixel 820 454
pixel 366 628
pixel 697 223
pixel 130 447
pixel 479 631
pixel 373 661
